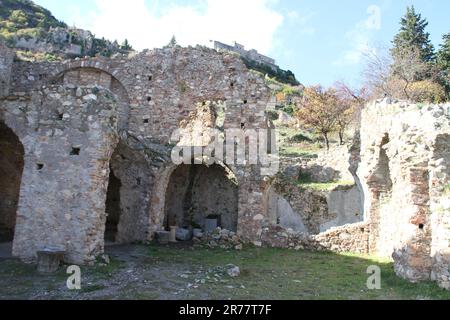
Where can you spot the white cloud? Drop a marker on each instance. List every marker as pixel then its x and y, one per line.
pixel 360 38
pixel 250 22
pixel 301 22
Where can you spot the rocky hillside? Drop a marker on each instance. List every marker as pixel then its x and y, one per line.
pixel 35 32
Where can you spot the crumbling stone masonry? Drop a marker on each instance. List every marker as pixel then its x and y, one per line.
pixel 404 170
pixel 83 122
pixel 400 160
pixel 86 154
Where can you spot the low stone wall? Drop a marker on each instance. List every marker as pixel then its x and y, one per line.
pixel 352 238
pixel 349 238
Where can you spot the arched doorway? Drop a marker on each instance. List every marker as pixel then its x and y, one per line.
pixel 112 208
pixel 11 167
pixel 198 192
pixel 127 195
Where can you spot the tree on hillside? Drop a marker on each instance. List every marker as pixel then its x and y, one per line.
pixel 350 103
pixel 317 110
pixel 377 72
pixel 409 67
pixel 444 52
pixel 173 42
pixel 355 96
pixel 412 34
pixel 126 45
pixel 405 76
pixel 344 112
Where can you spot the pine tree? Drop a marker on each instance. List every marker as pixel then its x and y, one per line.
pixel 173 42
pixel 126 45
pixel 443 61
pixel 412 35
pixel 444 53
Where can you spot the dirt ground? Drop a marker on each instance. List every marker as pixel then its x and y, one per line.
pixel 187 272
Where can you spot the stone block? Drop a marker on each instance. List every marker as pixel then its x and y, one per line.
pixel 183 234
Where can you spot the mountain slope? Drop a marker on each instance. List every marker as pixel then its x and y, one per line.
pixel 30 27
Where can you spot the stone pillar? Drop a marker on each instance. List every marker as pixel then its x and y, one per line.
pixel 173 234
pixel 251 216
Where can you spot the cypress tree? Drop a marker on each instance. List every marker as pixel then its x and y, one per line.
pixel 444 52
pixel 412 35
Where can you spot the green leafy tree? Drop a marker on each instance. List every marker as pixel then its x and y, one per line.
pixel 412 35
pixel 318 109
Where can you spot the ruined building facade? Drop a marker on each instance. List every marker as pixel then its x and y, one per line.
pixel 85 159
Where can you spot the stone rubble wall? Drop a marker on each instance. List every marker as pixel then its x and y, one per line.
pixel 331 165
pixel 440 208
pixel 62 195
pixel 136 178
pixel 311 211
pixel 328 166
pixel 6 62
pixel 349 238
pixel 154 91
pixel 165 85
pixel 403 174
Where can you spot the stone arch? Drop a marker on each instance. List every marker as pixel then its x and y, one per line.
pixel 88 63
pixel 159 196
pixel 89 74
pixel 11 168
pixel 126 204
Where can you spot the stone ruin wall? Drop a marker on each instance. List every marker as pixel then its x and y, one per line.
pixel 304 209
pixel 404 173
pixel 125 123
pixel 68 137
pixel 6 62
pixel 400 161
pixel 55 107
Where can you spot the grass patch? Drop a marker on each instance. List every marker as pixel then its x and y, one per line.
pixel 106 271
pixel 287 274
pixel 266 273
pixel 92 288
pixel 327 186
pixel 297 143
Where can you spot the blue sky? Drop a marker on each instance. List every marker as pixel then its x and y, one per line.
pixel 321 41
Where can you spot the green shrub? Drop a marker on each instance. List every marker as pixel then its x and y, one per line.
pixel 272 115
pixel 300 138
pixel 427 91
